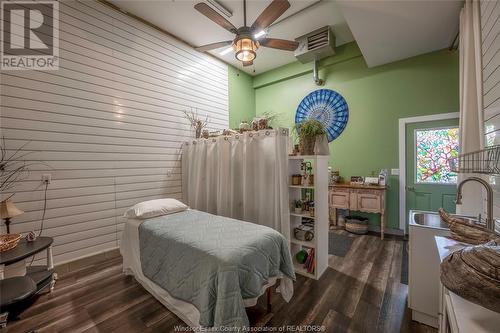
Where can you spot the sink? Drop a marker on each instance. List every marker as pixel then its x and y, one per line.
pixel 431 219
pixel 427 219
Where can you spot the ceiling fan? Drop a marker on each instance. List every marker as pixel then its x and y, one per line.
pixel 245 44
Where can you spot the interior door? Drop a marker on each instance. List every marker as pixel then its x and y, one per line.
pixel 430 184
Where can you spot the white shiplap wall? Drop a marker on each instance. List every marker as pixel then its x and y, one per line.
pixel 108 124
pixel 490 50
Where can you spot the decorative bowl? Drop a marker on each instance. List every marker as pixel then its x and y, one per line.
pixel 9 241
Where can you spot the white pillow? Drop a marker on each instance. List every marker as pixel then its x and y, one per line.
pixel 153 208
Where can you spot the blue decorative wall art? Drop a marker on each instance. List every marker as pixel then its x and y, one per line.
pixel 327 106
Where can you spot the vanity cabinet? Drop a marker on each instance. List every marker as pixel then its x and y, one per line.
pixel 361 198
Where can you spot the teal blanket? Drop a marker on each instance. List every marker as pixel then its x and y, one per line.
pixel 212 262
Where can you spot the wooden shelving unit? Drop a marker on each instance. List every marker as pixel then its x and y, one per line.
pixel 320 197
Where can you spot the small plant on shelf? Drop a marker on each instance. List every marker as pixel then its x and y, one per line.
pixel 307 131
pixel 298 206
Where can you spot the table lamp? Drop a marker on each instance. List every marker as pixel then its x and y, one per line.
pixel 7 211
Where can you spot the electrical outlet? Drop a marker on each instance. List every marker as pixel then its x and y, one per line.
pixel 394 172
pixel 46 178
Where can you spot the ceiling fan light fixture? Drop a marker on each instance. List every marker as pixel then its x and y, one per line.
pixel 248 38
pixel 245 49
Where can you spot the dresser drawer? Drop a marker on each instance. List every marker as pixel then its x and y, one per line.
pixel 368 202
pixel 339 199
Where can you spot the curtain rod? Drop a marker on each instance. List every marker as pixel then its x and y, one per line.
pixel 267 132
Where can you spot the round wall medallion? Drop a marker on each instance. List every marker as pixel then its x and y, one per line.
pixel 327 106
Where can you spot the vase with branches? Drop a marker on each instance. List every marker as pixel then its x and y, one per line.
pixel 196 122
pixel 13 166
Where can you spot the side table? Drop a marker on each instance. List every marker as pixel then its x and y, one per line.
pixel 40 276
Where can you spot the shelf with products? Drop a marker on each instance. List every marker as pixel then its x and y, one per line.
pixel 307 157
pixel 302 187
pixel 303 243
pixel 299 269
pixel 304 259
pixel 312 191
pixel 302 215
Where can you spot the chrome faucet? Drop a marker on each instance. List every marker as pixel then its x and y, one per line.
pixel 490 223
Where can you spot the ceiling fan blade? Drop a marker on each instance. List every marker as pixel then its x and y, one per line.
pixel 281 44
pixel 270 14
pixel 214 16
pixel 247 63
pixel 213 46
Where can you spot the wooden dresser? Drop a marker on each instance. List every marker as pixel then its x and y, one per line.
pixel 361 198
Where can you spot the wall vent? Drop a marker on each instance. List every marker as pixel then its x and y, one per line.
pixel 315 45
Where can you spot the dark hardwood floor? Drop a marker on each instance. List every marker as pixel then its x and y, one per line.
pixel 361 292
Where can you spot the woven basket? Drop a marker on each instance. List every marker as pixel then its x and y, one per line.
pixel 9 241
pixel 356 225
pixel 473 273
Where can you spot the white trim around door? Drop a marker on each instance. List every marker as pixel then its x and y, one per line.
pixel 402 157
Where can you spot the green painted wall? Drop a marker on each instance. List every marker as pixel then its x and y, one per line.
pixel 241 97
pixel 377 98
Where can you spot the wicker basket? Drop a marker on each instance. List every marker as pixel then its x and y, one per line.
pixel 9 241
pixel 356 224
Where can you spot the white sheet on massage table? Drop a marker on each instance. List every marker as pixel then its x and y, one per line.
pixel 129 248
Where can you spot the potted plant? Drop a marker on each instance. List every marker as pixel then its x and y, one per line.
pixel 298 206
pixel 307 132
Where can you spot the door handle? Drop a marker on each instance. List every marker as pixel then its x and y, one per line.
pixel 410 188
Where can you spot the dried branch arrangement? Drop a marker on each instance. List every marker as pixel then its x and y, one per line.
pixel 13 167
pixel 195 121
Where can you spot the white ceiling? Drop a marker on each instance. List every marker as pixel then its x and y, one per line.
pixel 182 20
pixel 387 31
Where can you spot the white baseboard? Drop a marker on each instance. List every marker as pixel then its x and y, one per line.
pixel 424 318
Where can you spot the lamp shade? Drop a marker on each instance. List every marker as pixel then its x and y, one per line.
pixel 8 209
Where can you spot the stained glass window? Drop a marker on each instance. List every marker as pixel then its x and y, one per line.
pixel 434 147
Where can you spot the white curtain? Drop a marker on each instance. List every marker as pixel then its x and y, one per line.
pixel 471 107
pixel 241 176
